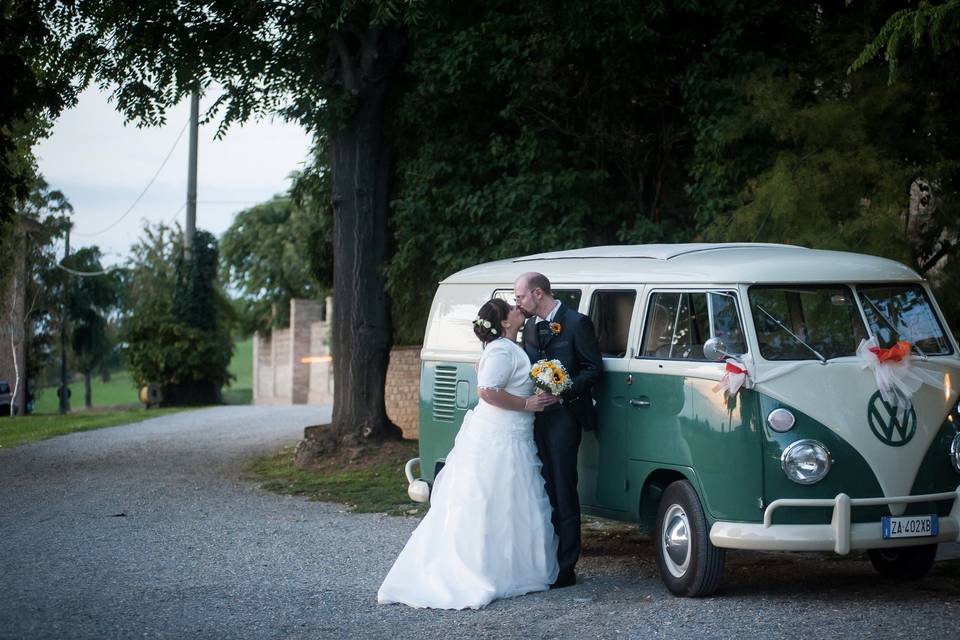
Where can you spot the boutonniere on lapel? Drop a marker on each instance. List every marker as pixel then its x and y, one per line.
pixel 555 328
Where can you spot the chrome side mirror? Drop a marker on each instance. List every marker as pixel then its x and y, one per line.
pixel 715 349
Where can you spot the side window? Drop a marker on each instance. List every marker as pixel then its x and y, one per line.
pixel 610 312
pixel 726 322
pixel 679 323
pixel 569 297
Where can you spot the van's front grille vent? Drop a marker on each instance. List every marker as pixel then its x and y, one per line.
pixel 444 393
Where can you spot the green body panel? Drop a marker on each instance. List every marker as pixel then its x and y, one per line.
pixel 850 473
pixel 936 473
pixel 447 391
pixel 688 424
pixel 602 473
pixel 723 447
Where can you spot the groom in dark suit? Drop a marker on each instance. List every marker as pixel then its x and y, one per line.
pixel 553 331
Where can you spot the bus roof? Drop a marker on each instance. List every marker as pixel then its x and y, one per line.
pixel 749 263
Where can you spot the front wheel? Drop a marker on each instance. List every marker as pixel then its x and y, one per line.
pixel 907 563
pixel 689 563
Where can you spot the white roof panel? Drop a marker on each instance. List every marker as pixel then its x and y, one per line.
pixel 693 263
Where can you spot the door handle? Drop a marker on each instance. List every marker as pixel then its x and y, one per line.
pixel 642 403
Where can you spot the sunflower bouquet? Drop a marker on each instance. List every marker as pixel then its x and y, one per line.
pixel 550 376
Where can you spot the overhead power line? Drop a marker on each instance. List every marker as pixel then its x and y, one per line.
pixel 174 217
pixel 86 274
pixel 142 193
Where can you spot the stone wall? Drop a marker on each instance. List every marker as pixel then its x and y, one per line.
pixel 303 315
pixel 271 368
pixel 403 390
pixel 321 364
pixel 294 366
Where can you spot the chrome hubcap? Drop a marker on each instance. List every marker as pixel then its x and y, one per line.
pixel 675 540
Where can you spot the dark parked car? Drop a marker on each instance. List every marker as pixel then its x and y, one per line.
pixel 5 398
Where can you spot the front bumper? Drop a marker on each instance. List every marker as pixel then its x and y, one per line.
pixel 418 490
pixel 840 535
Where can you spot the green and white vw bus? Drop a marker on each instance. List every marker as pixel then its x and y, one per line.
pixel 734 409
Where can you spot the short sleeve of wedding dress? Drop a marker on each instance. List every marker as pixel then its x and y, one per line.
pixel 496 366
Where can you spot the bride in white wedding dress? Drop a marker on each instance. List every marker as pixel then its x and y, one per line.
pixel 487 534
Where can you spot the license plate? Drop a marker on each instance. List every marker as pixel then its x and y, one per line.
pixel 910 526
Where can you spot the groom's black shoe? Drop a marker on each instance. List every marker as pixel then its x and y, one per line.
pixel 565 579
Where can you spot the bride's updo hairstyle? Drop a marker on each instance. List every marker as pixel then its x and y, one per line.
pixel 487 326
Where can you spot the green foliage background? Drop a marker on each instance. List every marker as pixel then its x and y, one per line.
pixel 524 130
pixel 177 327
pixel 529 127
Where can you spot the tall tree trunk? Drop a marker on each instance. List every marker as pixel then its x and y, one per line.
pixel 87 395
pixel 361 165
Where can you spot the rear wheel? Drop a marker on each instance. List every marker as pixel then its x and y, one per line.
pixel 909 563
pixel 689 563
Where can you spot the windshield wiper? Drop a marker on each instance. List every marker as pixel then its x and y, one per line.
pixel 890 324
pixel 792 334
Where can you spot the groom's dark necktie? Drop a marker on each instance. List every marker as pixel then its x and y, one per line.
pixel 543 333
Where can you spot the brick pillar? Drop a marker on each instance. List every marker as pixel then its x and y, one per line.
pixel 256 367
pixel 273 366
pixel 303 313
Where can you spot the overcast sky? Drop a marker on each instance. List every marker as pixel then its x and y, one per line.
pixel 102 166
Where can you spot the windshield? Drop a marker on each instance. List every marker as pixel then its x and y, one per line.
pixel 903 312
pixel 806 322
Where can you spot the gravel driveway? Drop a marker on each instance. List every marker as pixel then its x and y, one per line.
pixel 151 531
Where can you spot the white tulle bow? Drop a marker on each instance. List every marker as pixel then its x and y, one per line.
pixel 734 377
pixel 896 378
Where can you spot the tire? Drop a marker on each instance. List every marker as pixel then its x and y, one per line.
pixel 690 566
pixel 905 563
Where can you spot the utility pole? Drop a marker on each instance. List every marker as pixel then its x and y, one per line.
pixel 64 388
pixel 192 175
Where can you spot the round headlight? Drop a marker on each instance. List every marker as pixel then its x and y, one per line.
pixel 955 453
pixel 806 461
pixel 781 420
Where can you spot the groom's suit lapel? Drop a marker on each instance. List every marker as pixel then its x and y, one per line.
pixel 530 340
pixel 558 319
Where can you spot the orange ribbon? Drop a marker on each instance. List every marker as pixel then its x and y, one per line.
pixel 896 353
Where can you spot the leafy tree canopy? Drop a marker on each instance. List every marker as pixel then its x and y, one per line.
pixel 268 255
pixel 174 338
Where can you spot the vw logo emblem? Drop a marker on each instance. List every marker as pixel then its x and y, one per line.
pixel 888 424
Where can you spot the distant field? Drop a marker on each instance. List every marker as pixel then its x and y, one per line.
pixel 120 391
pixel 240 390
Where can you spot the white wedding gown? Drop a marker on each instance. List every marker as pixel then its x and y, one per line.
pixel 487 534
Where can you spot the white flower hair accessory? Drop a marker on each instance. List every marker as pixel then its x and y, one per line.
pixel 480 322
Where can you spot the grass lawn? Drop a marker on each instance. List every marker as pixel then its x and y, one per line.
pixel 15 431
pixel 121 393
pixel 374 483
pixel 240 390
pixel 118 392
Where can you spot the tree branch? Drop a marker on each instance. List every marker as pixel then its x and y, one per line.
pixel 945 248
pixel 346 64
